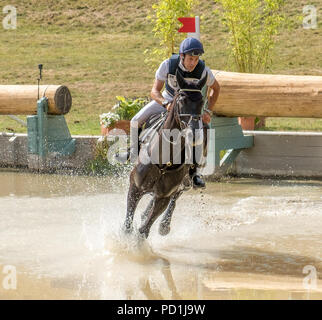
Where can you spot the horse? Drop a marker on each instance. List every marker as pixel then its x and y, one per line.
pixel 166 181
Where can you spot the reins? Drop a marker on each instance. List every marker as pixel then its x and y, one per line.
pixel 181 123
pixel 177 116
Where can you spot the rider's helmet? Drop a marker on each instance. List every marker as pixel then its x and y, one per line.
pixel 191 46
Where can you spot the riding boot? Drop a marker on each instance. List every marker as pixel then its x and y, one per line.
pixel 197 180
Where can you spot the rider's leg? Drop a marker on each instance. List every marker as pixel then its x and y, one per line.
pixel 137 122
pixel 199 161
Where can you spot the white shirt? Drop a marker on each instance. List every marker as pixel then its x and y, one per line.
pixel 162 73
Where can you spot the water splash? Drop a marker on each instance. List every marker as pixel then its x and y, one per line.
pixel 131 246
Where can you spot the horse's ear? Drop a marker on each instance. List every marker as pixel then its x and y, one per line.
pixel 180 79
pixel 202 82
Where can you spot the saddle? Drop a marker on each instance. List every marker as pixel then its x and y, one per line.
pixel 151 127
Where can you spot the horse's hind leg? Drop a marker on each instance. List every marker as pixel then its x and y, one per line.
pixel 159 206
pixel 133 197
pixel 164 227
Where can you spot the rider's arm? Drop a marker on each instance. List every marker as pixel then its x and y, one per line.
pixel 156 91
pixel 213 95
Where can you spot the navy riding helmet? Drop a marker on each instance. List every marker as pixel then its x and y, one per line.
pixel 191 46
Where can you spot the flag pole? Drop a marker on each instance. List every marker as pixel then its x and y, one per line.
pixel 197 33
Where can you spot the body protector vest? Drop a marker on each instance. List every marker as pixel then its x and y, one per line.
pixel 171 84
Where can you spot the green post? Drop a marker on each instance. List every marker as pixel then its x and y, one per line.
pixel 225 134
pixel 42 108
pixel 48 133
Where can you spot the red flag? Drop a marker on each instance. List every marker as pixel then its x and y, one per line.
pixel 189 24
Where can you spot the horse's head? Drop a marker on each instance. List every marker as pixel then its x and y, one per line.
pixel 189 103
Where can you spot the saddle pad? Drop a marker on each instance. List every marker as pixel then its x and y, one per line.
pixel 154 124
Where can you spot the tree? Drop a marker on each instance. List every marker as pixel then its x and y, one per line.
pixel 166 25
pixel 252 26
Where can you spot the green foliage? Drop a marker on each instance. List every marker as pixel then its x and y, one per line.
pixel 253 25
pixel 166 25
pixel 71 44
pixel 101 166
pixel 127 108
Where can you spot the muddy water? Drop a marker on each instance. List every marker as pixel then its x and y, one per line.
pixel 239 239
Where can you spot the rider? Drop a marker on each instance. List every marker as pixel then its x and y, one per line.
pixel 192 68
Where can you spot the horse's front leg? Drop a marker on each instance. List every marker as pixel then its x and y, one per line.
pixel 164 227
pixel 159 205
pixel 133 197
pixel 147 211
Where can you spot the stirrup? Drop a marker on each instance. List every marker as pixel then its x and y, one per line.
pixel 124 156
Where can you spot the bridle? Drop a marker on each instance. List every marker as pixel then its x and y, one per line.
pixel 177 115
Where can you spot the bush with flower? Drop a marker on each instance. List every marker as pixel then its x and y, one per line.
pixel 125 109
pixel 108 119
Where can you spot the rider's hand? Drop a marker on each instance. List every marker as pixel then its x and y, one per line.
pixel 206 118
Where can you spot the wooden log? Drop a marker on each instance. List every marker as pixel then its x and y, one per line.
pixel 266 95
pixel 22 99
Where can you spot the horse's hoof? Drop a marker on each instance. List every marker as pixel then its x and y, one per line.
pixel 127 230
pixel 164 229
pixel 143 233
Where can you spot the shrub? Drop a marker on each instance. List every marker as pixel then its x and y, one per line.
pixel 108 119
pixel 125 109
pixel 253 25
pixel 166 25
pixel 101 166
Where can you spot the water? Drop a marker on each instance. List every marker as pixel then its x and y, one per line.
pixel 238 239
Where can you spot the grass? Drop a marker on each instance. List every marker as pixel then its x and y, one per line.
pixel 96 49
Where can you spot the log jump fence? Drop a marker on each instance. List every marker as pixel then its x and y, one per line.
pixel 259 95
pixel 47 128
